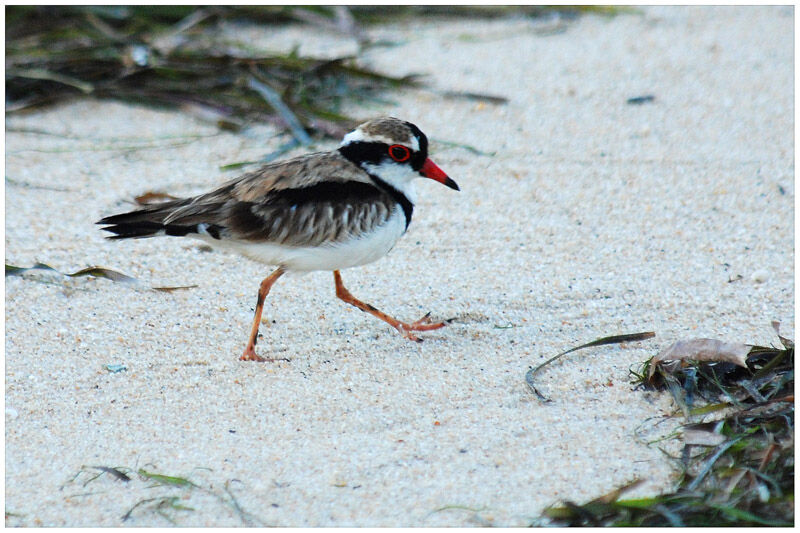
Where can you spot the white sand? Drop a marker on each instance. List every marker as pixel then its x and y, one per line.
pixel 593 218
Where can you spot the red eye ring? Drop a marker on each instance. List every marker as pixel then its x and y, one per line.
pixel 399 153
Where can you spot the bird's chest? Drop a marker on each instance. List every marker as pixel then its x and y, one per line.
pixel 367 247
pixel 357 250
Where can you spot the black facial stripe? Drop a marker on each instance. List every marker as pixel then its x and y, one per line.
pixel 376 153
pixel 366 152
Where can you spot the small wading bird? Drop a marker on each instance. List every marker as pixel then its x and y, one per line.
pixel 320 211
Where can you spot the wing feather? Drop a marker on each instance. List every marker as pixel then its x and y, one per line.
pixel 307 201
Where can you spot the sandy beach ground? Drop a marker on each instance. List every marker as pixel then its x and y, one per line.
pixel 592 217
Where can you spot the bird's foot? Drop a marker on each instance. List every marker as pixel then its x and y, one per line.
pixel 251 355
pixel 423 324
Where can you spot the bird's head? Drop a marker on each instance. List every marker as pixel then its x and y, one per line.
pixel 393 150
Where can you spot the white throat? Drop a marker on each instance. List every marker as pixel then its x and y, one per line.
pixel 401 177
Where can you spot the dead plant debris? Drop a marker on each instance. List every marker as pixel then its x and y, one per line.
pixel 614 339
pixel 116 472
pixel 160 57
pixel 152 197
pixel 639 100
pixel 170 56
pixel 737 463
pixel 172 494
pixel 46 274
pixel 714 370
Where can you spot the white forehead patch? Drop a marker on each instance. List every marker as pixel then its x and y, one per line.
pixel 359 135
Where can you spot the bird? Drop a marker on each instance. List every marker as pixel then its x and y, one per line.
pixel 322 211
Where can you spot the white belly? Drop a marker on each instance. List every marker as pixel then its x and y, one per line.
pixel 336 256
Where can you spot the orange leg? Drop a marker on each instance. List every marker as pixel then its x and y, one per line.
pixel 423 324
pixel 250 351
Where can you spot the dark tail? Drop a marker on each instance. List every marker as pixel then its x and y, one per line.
pixel 147 222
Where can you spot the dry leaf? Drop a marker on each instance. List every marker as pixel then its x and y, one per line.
pixel 101 272
pixel 95 271
pixel 702 437
pixel 151 197
pixel 787 343
pixel 710 350
pixel 614 495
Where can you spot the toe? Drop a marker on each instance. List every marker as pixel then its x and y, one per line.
pixel 250 355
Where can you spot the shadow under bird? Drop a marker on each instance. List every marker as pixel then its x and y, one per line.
pixel 320 211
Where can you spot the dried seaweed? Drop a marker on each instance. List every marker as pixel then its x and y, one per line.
pixel 117 21
pixel 166 56
pixel 737 464
pixel 171 493
pixel 115 472
pixel 158 56
pixel 639 100
pixel 45 273
pixel 737 374
pixel 160 505
pixel 614 339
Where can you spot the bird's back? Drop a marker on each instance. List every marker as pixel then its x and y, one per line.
pixel 311 200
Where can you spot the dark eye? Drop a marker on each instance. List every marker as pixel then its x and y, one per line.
pixel 399 153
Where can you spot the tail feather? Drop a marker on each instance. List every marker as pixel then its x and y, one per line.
pixel 147 222
pixel 149 229
pixel 151 222
pixel 150 213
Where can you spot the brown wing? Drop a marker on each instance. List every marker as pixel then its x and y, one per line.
pixel 305 201
pixel 328 211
